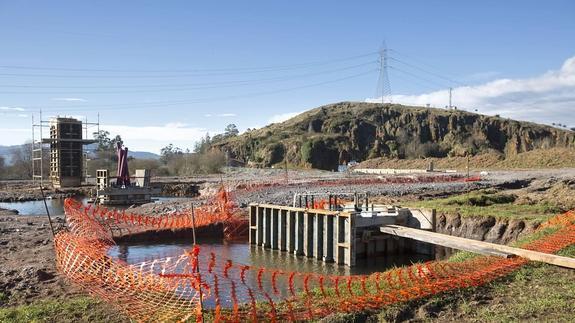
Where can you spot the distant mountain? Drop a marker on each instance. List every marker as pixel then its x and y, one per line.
pixel 6 152
pixel 143 155
pixel 136 154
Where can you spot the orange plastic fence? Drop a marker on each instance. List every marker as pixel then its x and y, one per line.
pixel 168 289
pixel 254 186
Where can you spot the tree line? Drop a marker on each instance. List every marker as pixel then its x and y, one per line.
pixel 173 160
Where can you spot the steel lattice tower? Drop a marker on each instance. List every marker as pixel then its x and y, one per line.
pixel 383 84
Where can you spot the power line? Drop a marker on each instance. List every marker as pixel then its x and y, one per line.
pixel 427 66
pixel 203 100
pixel 418 81
pixel 440 76
pixel 187 72
pixel 415 76
pixel 426 71
pixel 180 87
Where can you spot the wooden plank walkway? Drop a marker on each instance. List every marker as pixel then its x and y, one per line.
pixel 476 246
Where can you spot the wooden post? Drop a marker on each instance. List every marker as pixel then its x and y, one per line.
pixel 198 264
pixel 47 211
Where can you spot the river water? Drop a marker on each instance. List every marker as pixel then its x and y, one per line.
pixel 253 256
pixel 246 254
pixel 56 206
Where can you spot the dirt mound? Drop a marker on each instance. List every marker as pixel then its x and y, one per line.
pixel 559 190
pixel 539 158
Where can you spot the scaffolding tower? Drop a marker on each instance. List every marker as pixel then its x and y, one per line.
pixel 66 145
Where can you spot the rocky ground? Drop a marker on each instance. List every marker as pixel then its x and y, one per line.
pixel 302 182
pixel 20 191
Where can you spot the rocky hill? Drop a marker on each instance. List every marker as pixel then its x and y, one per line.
pixel 334 134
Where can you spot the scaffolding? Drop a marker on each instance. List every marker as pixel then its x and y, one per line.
pixel 68 159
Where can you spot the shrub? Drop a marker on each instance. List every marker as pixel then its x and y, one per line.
pixel 320 154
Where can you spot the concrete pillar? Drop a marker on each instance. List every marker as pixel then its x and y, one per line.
pixel 253 227
pixel 260 226
pixel 340 240
pixel 291 231
pixel 299 233
pixel 318 234
pixel 267 228
pixel 283 230
pixel 274 219
pixel 308 234
pixel 350 256
pixel 328 238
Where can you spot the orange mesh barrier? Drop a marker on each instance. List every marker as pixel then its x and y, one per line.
pixel 168 289
pixel 254 186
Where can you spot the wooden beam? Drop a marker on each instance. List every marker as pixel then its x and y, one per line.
pixel 476 246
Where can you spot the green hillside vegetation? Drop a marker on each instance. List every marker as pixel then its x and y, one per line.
pixel 334 134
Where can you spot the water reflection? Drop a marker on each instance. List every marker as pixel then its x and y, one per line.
pixel 56 206
pixel 253 256
pixel 242 253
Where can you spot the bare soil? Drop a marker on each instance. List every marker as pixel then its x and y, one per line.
pixel 27 266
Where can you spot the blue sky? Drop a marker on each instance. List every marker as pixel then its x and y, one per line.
pixel 168 71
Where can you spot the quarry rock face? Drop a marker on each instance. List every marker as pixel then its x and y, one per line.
pixel 327 136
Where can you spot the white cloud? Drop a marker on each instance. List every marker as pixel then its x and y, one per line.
pixel 221 115
pixel 12 109
pixel 546 98
pixel 176 125
pixel 283 117
pixel 482 76
pixel 23 115
pixel 154 138
pixel 70 99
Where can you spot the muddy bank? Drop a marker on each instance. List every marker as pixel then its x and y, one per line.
pixel 27 267
pixel 214 231
pixel 22 191
pixel 489 229
pixel 482 228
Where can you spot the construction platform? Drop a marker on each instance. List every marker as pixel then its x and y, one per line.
pixel 138 192
pixel 340 236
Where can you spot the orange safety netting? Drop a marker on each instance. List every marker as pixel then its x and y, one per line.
pixel 168 289
pixel 258 185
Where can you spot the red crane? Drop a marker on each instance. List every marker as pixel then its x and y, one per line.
pixel 123 174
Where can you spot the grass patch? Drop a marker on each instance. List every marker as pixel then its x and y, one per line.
pixel 484 203
pixel 78 309
pixel 462 256
pixel 534 292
